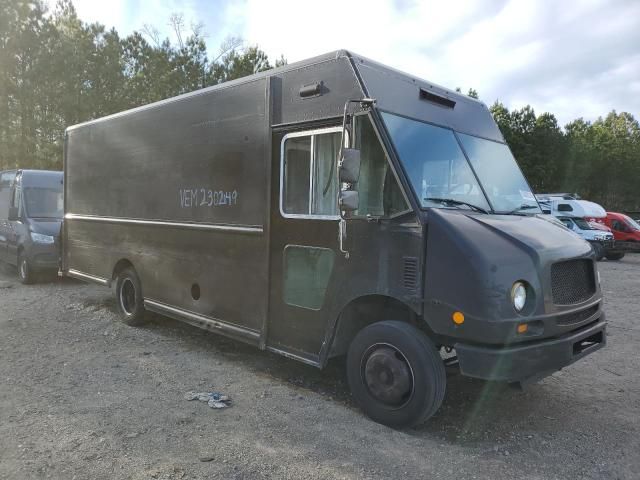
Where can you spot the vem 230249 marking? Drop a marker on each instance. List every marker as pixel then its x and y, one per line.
pixel 204 197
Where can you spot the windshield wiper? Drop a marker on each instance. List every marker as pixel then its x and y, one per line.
pixel 521 207
pixel 451 201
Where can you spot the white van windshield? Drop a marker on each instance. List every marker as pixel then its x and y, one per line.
pixel 632 223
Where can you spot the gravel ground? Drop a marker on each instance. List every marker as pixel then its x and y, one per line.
pixel 84 396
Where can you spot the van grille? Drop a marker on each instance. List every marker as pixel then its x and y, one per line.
pixel 577 317
pixel 572 281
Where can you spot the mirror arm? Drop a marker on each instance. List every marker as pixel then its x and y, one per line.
pixel 342 234
pixel 365 103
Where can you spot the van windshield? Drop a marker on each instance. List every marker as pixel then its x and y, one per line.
pixel 444 165
pixel 632 223
pixel 583 224
pixel 43 202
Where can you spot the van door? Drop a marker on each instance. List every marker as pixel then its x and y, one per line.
pixel 304 240
pixel 310 278
pixel 6 178
pixel 14 226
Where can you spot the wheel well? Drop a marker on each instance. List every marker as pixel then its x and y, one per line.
pixel 122 264
pixel 364 311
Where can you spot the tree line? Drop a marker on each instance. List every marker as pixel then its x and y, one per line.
pixel 56 71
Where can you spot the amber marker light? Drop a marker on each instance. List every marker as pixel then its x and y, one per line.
pixel 458 318
pixel 523 327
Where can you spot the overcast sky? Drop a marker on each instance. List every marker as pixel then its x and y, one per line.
pixel 574 59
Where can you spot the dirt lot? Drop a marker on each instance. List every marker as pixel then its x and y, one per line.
pixel 84 396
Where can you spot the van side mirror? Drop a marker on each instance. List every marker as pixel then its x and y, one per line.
pixel 13 214
pixel 349 200
pixel 349 165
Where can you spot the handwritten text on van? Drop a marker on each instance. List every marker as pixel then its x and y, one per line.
pixel 204 197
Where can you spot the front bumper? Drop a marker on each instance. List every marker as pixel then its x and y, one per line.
pixel 531 361
pixel 608 244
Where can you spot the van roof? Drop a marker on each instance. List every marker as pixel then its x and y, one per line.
pixel 394 91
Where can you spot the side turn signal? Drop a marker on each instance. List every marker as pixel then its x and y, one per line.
pixel 458 318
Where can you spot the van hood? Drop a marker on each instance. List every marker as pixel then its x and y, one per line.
pixel 45 226
pixel 474 259
pixel 536 234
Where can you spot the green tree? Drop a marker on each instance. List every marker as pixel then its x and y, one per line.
pixel 237 64
pixel 56 71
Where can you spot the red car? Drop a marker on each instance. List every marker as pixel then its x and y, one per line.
pixel 624 228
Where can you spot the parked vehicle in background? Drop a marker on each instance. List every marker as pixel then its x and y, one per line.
pixel 601 241
pixel 572 212
pixel 334 207
pixel 624 228
pixel 31 211
pixel 626 232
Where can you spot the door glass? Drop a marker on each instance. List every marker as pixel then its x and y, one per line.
pixel 15 201
pixel 378 190
pixel 306 275
pixel 324 189
pixel 297 168
pixel 309 174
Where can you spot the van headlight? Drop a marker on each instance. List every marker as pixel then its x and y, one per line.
pixel 519 296
pixel 40 238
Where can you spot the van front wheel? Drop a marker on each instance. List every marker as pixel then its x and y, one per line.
pixel 395 374
pixel 129 297
pixel 24 270
pixel 598 249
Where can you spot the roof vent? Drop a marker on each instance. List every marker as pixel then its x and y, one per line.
pixel 437 99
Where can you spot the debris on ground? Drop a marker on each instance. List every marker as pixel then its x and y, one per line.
pixel 213 399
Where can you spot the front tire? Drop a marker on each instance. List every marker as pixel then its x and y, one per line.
pixel 129 297
pixel 25 272
pixel 615 256
pixel 395 374
pixel 598 250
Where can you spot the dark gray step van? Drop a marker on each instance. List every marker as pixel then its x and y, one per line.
pixel 31 211
pixel 334 207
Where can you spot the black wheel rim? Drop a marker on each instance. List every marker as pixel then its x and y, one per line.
pixel 387 375
pixel 128 296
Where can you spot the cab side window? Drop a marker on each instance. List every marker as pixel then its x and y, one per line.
pixel 617 225
pixel 6 178
pixel 379 193
pixel 308 174
pixel 5 193
pixel 15 199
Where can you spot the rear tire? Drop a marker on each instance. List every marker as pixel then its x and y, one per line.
pixel 395 374
pixel 129 297
pixel 24 271
pixel 615 256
